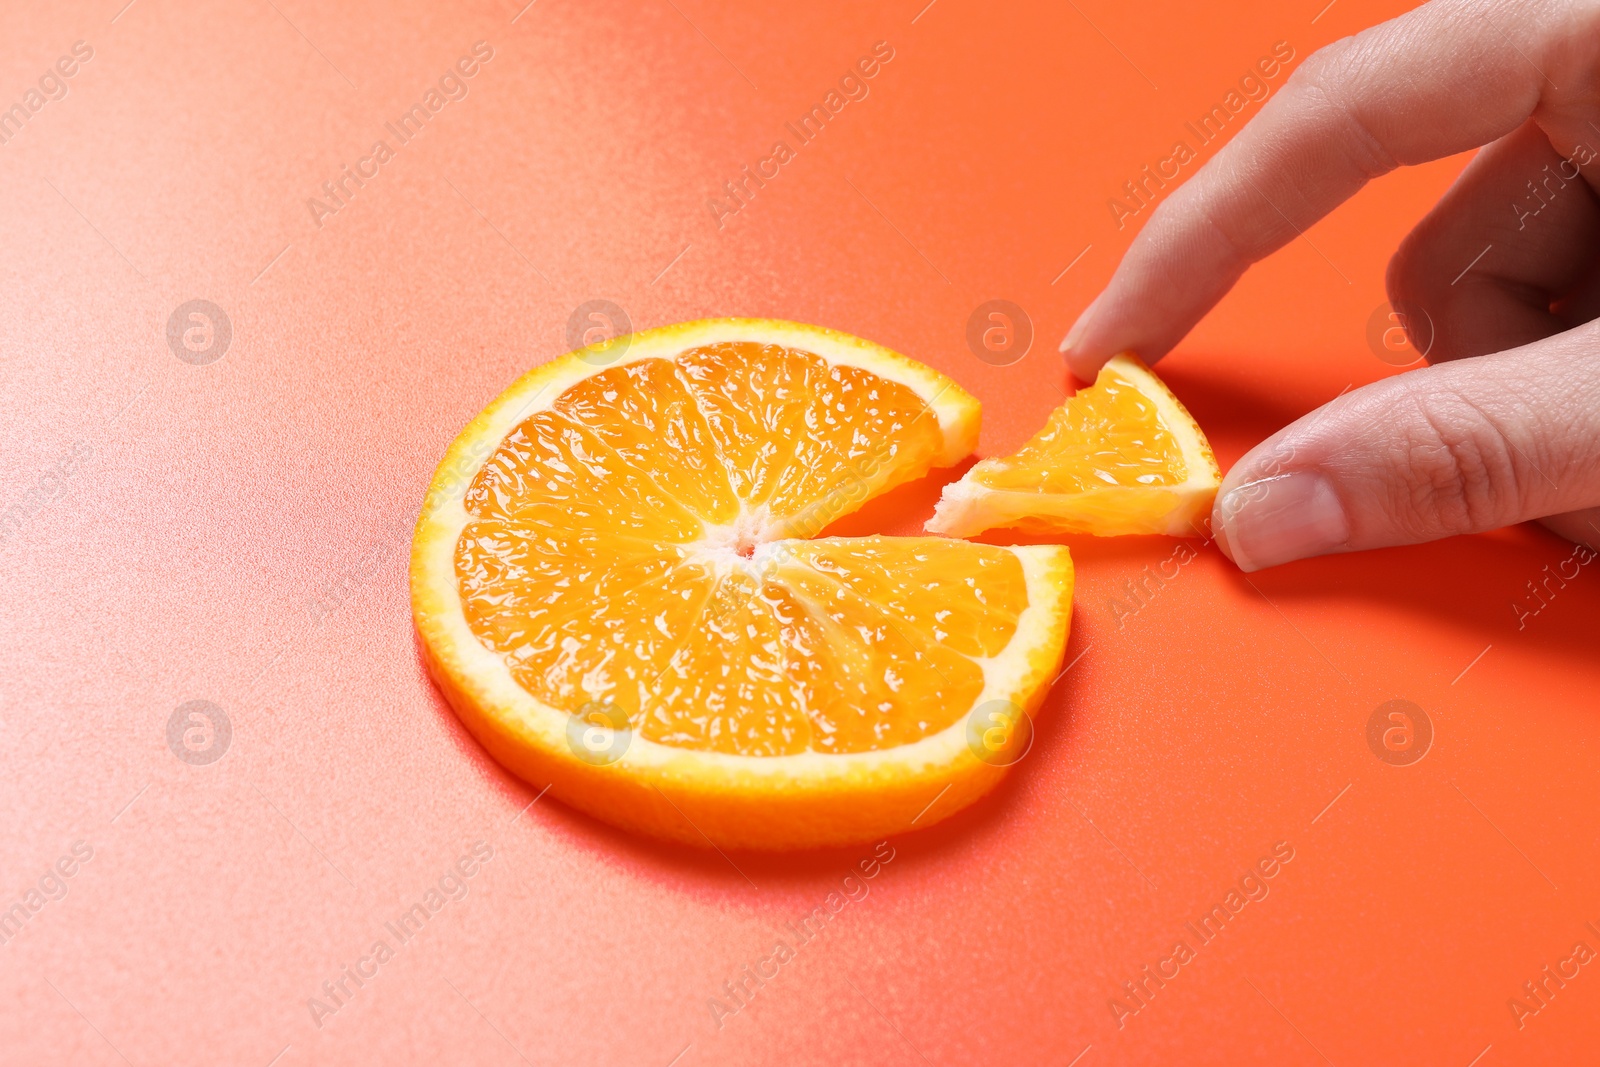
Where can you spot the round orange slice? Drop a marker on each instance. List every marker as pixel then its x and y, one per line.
pixel 619 588
pixel 1120 457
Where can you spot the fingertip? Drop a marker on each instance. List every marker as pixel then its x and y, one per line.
pixel 1081 326
pixel 1100 333
pixel 1219 527
pixel 1081 361
pixel 1279 518
pixel 1228 545
pixel 1084 367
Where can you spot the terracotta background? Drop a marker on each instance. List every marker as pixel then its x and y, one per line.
pixel 236 532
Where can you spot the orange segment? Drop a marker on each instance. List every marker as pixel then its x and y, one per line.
pixel 551 464
pixel 883 678
pixel 727 689
pixel 647 412
pixel 1120 457
pixel 581 620
pixel 617 605
pixel 792 428
pixel 1109 435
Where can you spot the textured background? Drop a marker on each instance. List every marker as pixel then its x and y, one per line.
pixel 234 531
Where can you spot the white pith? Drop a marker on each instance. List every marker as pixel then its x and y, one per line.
pixel 735 547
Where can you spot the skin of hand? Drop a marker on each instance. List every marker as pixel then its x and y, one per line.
pixel 1504 424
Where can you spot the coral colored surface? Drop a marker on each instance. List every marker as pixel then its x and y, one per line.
pixel 224 519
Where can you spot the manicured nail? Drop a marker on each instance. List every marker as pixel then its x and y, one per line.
pixel 1274 520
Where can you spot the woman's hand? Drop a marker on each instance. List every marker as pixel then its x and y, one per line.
pixel 1505 425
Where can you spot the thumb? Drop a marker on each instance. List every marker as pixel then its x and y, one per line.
pixel 1461 447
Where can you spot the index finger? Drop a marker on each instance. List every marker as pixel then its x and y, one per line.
pixel 1444 78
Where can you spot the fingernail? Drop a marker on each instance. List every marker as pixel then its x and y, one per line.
pixel 1079 328
pixel 1286 517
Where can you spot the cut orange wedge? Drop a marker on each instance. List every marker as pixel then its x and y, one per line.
pixel 1120 457
pixel 616 583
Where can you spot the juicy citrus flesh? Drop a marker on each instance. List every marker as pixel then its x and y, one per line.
pixel 1109 435
pixel 1120 457
pixel 641 544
